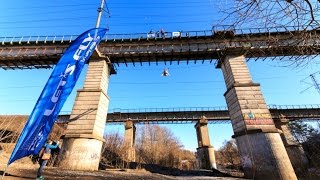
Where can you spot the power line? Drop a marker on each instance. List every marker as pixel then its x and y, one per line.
pixel 157 7
pixel 81 19
pixel 46 20
pixel 164 83
pixel 147 83
pixel 116 25
pixel 315 82
pixel 123 97
pixel 168 3
pixel 80 9
pixel 117 16
pixel 41 27
pixel 124 83
pixel 19 87
pixel 47 12
pixel 48 7
pixel 162 15
pixel 86 17
pixel 134 5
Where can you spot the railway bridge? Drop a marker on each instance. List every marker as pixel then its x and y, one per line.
pixel 201 116
pixel 264 156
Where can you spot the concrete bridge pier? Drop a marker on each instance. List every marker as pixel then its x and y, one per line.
pixel 263 155
pixel 205 151
pixel 84 135
pixel 129 141
pixel 295 151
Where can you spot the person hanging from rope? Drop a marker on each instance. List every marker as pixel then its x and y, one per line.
pixel 165 72
pixel 44 156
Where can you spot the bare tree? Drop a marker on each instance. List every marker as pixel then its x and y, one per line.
pixel 113 151
pixel 297 20
pixel 268 13
pixel 11 127
pixel 309 138
pixel 158 145
pixel 301 131
pixel 228 155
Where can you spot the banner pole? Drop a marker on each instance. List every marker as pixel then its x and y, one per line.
pixel 99 14
pixel 4 172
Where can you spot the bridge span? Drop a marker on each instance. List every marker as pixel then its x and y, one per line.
pixel 193 114
pixel 190 46
pixel 260 137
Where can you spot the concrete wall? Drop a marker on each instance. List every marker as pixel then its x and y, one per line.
pixel 129 141
pixel 206 158
pixel 295 151
pixel 84 134
pixel 80 154
pixel 263 155
pixel 205 151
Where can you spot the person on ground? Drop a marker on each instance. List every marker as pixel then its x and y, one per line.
pixel 45 156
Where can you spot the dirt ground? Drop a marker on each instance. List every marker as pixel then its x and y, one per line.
pixel 25 169
pixel 55 173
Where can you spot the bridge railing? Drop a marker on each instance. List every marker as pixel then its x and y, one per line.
pixel 215 31
pixel 108 37
pixel 38 39
pixel 304 106
pixel 158 35
pixel 219 108
pixel 278 29
pixel 176 109
pixel 155 35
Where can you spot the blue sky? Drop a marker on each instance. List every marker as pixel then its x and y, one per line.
pixel 193 85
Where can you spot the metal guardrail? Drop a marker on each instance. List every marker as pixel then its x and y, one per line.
pixel 176 109
pixel 154 35
pixel 304 106
pixel 199 109
pixel 107 38
pixel 196 109
pixel 277 29
pixel 38 39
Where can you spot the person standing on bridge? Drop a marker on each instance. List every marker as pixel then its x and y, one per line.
pixel 44 156
pixel 163 33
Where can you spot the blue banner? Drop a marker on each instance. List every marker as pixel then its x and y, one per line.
pixel 55 93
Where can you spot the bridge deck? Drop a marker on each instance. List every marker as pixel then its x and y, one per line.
pixel 214 115
pixel 185 115
pixel 192 46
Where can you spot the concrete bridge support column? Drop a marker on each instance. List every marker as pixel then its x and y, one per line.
pixel 129 141
pixel 295 151
pixel 205 151
pixel 84 135
pixel 263 155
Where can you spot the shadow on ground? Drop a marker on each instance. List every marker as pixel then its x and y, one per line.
pixel 11 175
pixel 153 168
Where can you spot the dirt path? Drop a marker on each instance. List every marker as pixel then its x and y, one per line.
pixel 25 169
pixel 55 173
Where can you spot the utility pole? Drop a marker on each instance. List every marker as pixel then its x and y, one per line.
pixel 315 82
pixel 99 13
